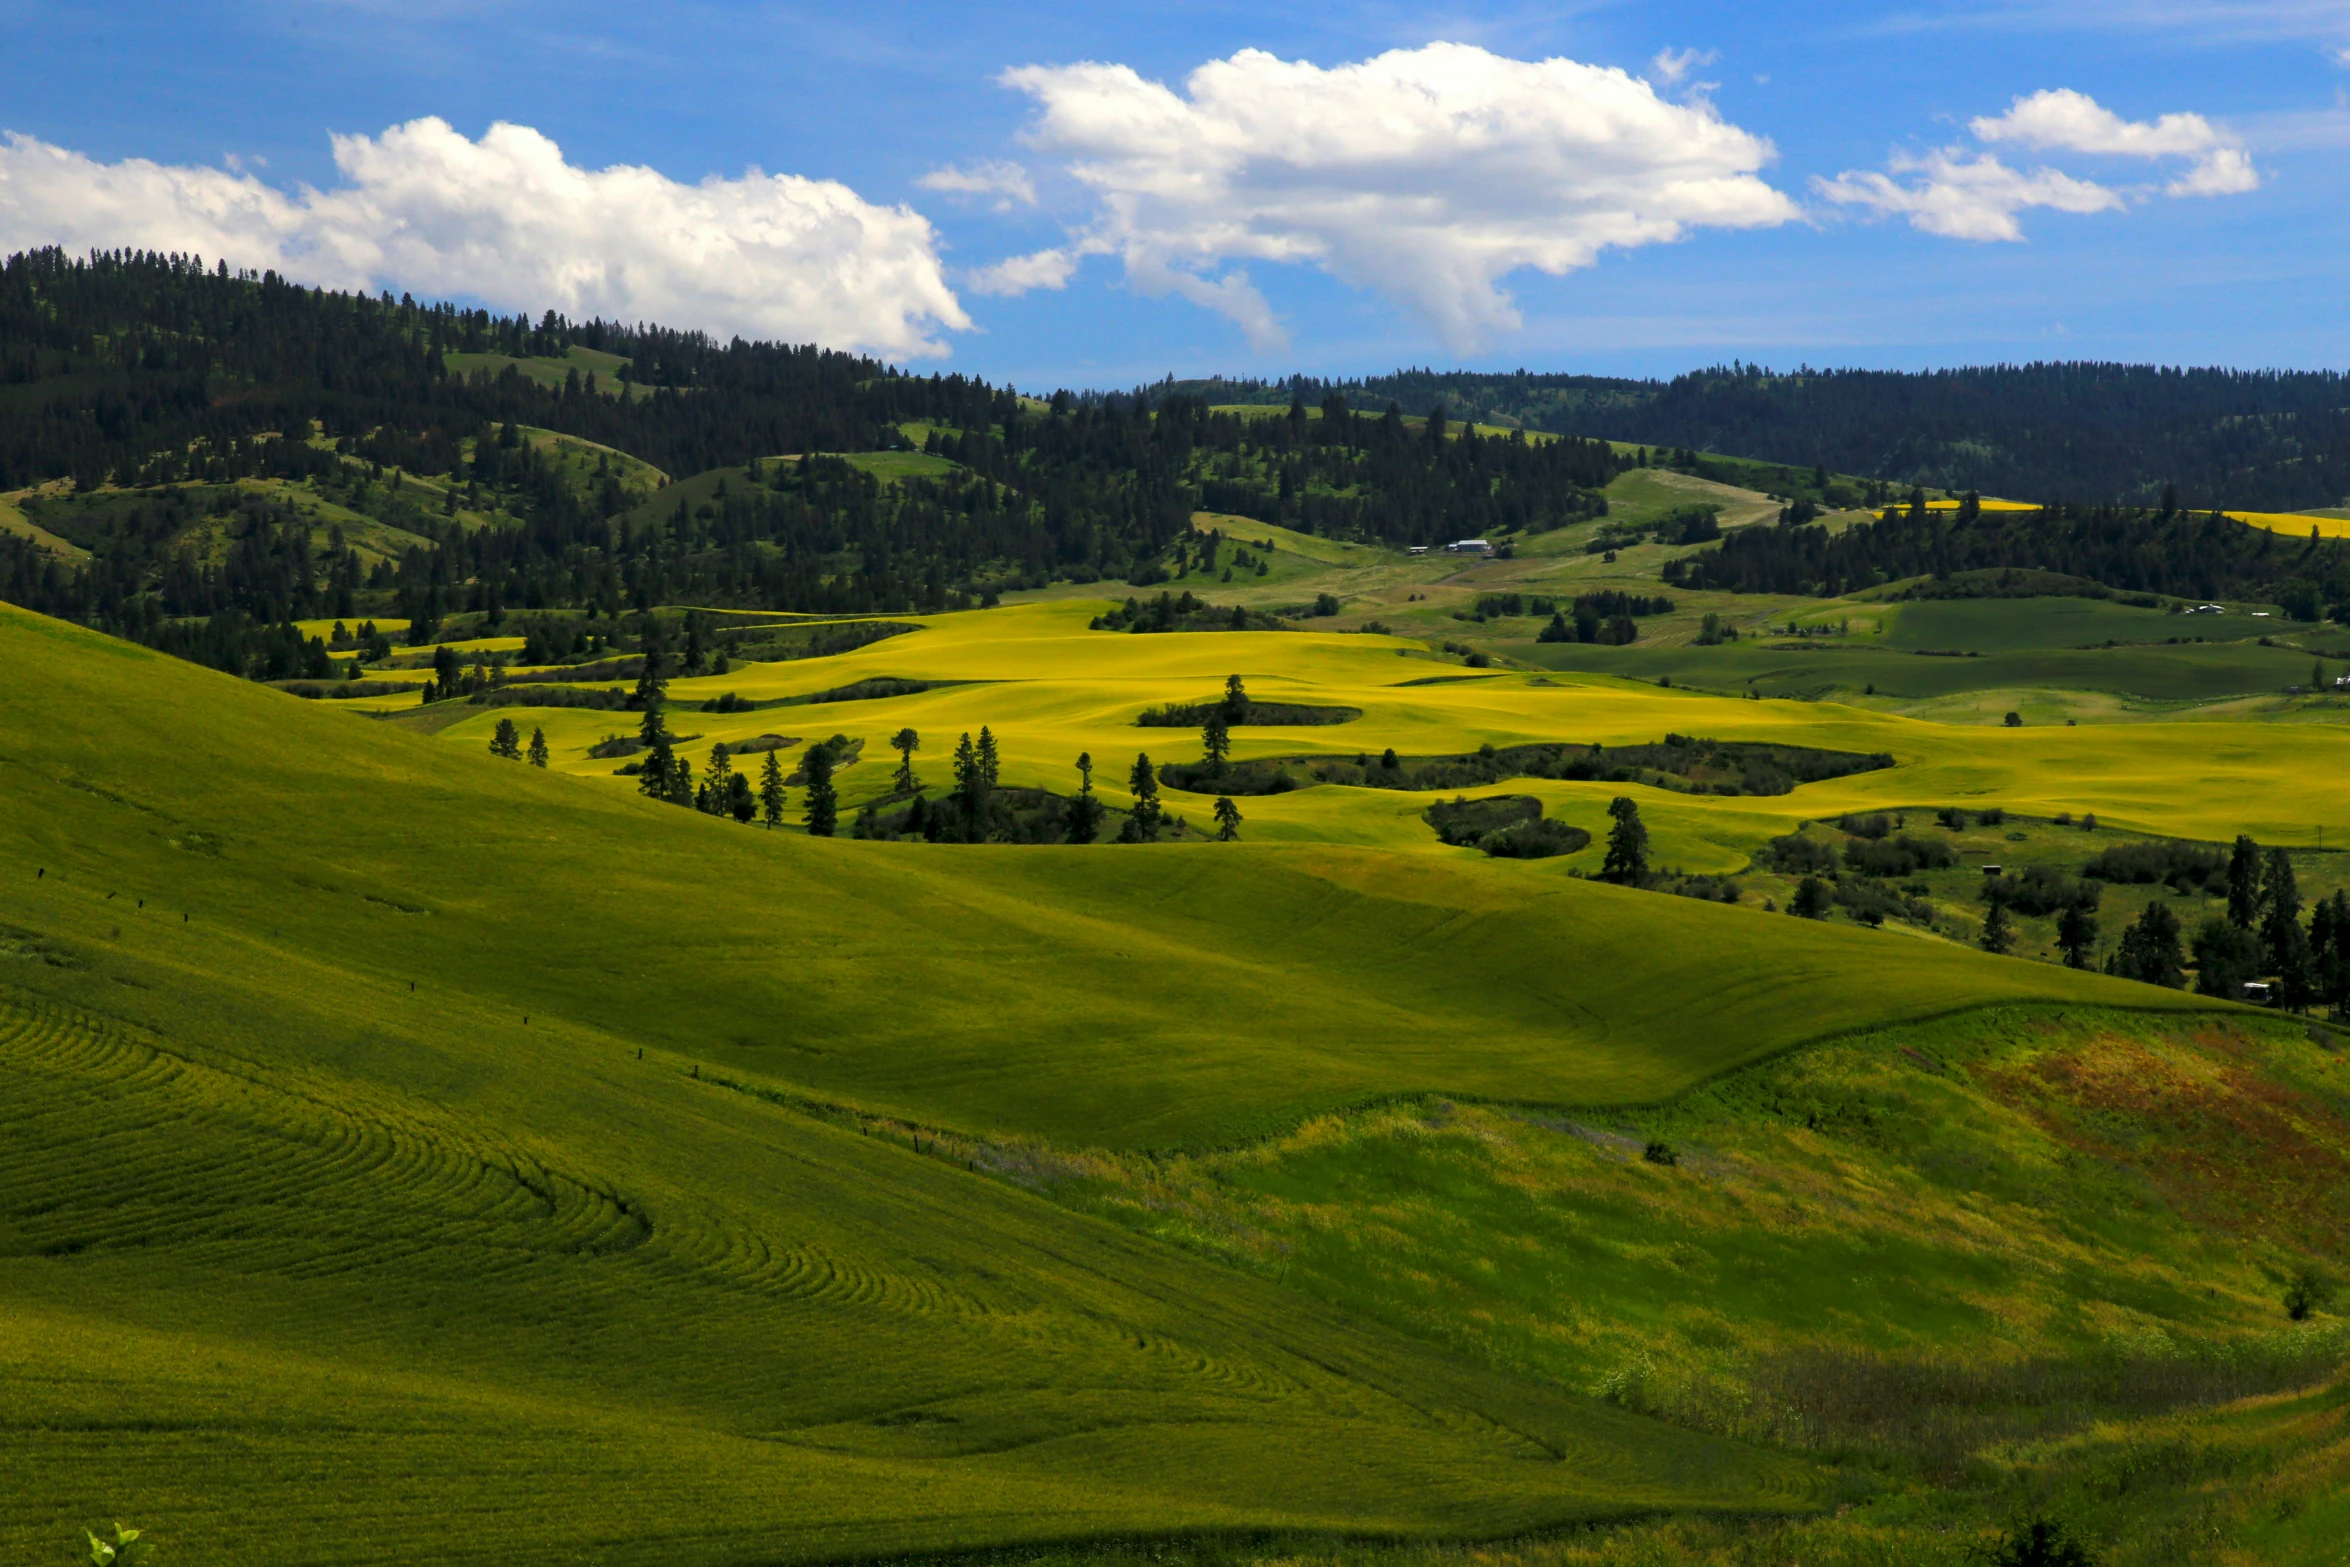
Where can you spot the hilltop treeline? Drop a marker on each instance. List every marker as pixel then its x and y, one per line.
pixel 155 384
pixel 2196 555
pixel 1353 476
pixel 2079 432
pixel 118 364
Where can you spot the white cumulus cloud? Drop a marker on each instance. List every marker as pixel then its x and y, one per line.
pixel 506 219
pixel 1966 198
pixel 1022 274
pixel 1426 174
pixel 1007 182
pixel 2064 120
pixel 1948 191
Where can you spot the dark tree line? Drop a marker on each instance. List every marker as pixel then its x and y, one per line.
pixel 108 361
pixel 2081 432
pixel 2197 555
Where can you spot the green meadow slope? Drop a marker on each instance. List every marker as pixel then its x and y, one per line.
pixel 310 1262
pixel 1095 996
pixel 342 1205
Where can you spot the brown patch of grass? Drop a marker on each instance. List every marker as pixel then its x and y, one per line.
pixel 2221 1138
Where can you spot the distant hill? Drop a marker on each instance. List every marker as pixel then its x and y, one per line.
pixel 2080 432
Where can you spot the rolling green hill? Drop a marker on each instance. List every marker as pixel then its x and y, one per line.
pixel 1077 994
pixel 444 1133
pixel 277 1223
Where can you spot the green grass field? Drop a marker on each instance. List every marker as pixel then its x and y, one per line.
pixel 423 1150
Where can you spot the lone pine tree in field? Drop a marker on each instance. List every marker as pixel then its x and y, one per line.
pixel 823 813
pixel 1627 845
pixel 1235 700
pixel 1216 740
pixel 1227 819
pixel 771 793
pixel 538 747
pixel 506 741
pixel 1085 812
pixel 906 742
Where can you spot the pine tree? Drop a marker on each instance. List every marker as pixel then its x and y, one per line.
pixel 823 813
pixel 681 781
pixel 1142 781
pixel 2244 884
pixel 1083 820
pixel 771 792
pixel 2294 966
pixel 652 688
pixel 987 756
pixel 718 783
pixel 971 791
pixel 1811 899
pixel 1235 700
pixel 652 779
pixel 2076 933
pixel 1227 819
pixel 2280 909
pixel 739 802
pixel 906 742
pixel 2329 939
pixel 1998 930
pixel 2149 951
pixel 1216 740
pixel 506 741
pixel 1627 845
pixel 538 747
pixel 2225 957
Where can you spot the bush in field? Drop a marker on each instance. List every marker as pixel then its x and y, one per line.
pixel 1797 855
pixel 2308 1291
pixel 2189 867
pixel 1534 840
pixel 1902 855
pixel 2042 890
pixel 2042 1543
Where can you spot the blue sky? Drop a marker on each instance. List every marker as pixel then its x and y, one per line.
pixel 1859 164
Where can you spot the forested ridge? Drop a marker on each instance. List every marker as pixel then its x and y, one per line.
pixel 153 385
pixel 2134 550
pixel 2085 433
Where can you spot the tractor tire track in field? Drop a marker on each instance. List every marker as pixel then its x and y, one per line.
pixel 117 1142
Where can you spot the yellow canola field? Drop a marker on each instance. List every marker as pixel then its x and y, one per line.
pixel 2299 524
pixel 1050 688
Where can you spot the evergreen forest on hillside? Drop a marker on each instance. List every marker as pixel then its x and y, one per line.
pixel 2077 432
